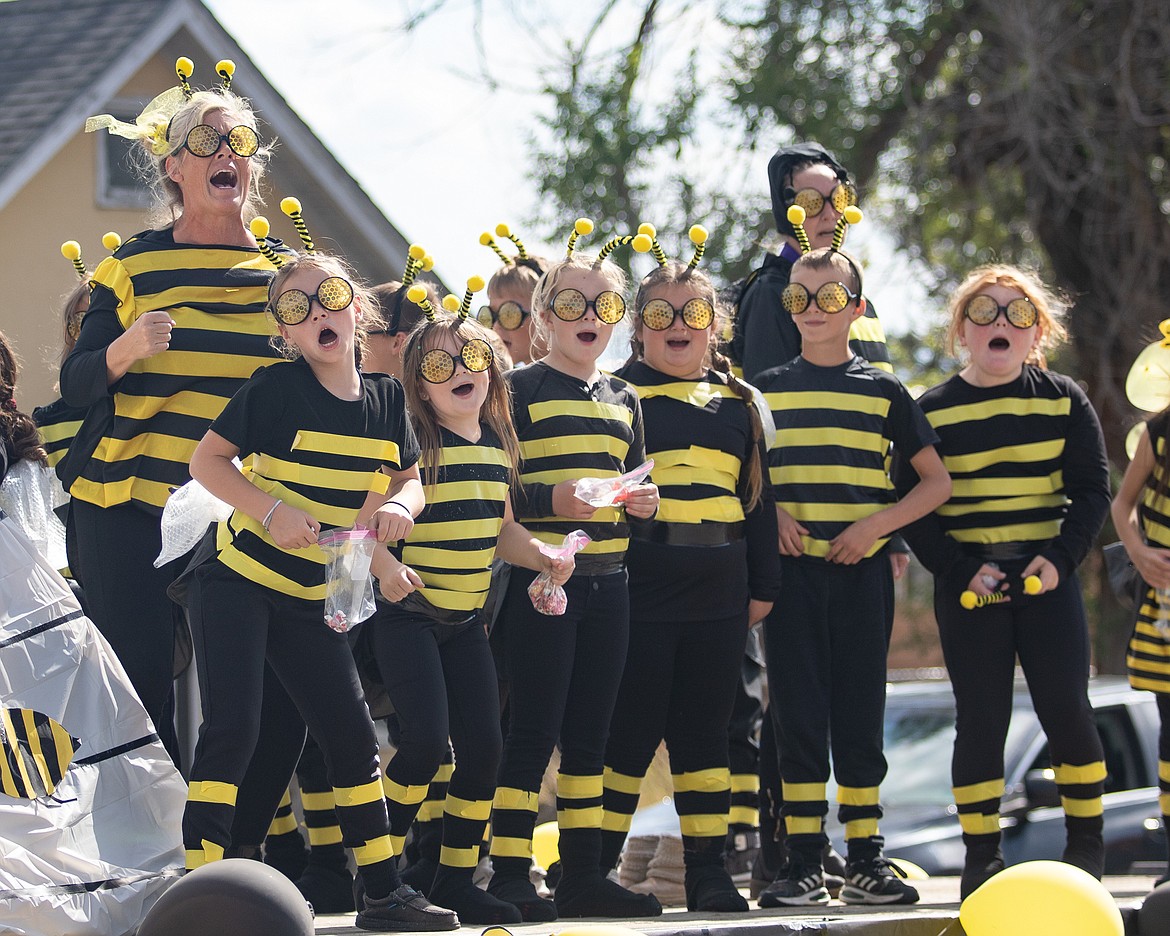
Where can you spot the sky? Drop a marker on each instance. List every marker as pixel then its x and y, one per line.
pixel 434 126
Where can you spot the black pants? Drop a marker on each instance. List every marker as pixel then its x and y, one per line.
pixel 115 549
pixel 826 641
pixel 679 684
pixel 565 673
pixel 237 625
pixel 1050 635
pixel 442 682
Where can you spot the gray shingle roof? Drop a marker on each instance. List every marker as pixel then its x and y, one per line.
pixel 50 51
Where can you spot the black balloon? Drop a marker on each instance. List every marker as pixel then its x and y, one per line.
pixel 234 897
pixel 1154 915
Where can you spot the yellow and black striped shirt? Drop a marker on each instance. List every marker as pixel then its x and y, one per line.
pixel 58 423
pixel 1027 464
pixel 454 539
pixel 164 404
pixel 318 453
pixel 569 430
pixel 835 428
pixel 1154 509
pixel 699 434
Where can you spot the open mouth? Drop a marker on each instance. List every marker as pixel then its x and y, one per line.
pixel 587 337
pixel 328 338
pixel 999 344
pixel 464 390
pixel 224 178
pixel 678 344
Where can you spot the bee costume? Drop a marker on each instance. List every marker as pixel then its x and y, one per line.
pixel 139 432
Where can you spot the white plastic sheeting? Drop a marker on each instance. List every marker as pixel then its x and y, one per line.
pixel 97 854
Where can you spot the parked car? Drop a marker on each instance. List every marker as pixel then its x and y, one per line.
pixel 920 822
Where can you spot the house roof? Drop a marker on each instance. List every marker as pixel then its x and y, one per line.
pixel 64 60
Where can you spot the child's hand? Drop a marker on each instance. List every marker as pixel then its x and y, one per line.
pixel 397 580
pixel 757 611
pixel 1153 564
pixel 291 528
pixel 980 587
pixel 566 503
pixel 1045 571
pixel 851 545
pixel 642 501
pixel 391 522
pixel 790 533
pixel 559 570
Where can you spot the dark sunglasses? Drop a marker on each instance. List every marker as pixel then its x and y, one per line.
pixel 292 306
pixel 570 305
pixel 203 140
pixel 813 201
pixel 510 315
pixel 438 366
pixel 983 310
pixel 659 315
pixel 831 298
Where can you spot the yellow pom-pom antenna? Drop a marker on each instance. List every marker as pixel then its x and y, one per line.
pixel 418 295
pixel 260 227
pixel 698 236
pixel 642 243
pixel 225 68
pixel 1033 585
pixel 450 303
pixel 292 207
pixel 71 250
pixel 612 244
pixel 184 68
pixel 648 230
pixel 502 230
pixel 488 241
pixel 415 258
pixel 581 227
pixel 851 215
pixel 428 263
pixel 474 285
pixel 971 601
pixel 111 240
pixel 796 218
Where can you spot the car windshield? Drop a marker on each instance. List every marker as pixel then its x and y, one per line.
pixel 919 738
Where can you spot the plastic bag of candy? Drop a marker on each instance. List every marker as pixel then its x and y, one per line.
pixel 188 512
pixel 546 597
pixel 605 492
pixel 349 588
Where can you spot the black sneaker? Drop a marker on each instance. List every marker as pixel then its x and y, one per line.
pixel 802 886
pixel 740 853
pixel 876 881
pixel 404 909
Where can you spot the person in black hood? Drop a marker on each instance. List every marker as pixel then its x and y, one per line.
pixel 809 175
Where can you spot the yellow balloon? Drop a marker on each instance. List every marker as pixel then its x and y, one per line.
pixel 1041 897
pixel 545 844
pixel 912 871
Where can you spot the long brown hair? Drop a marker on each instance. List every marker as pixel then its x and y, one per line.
pixel 678 273
pixel 17 429
pixel 496 410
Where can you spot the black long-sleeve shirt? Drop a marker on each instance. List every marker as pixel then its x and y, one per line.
pixel 1028 466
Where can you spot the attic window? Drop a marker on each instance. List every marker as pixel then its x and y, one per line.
pixel 118 184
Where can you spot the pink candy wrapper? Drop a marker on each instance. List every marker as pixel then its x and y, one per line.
pixel 606 492
pixel 546 597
